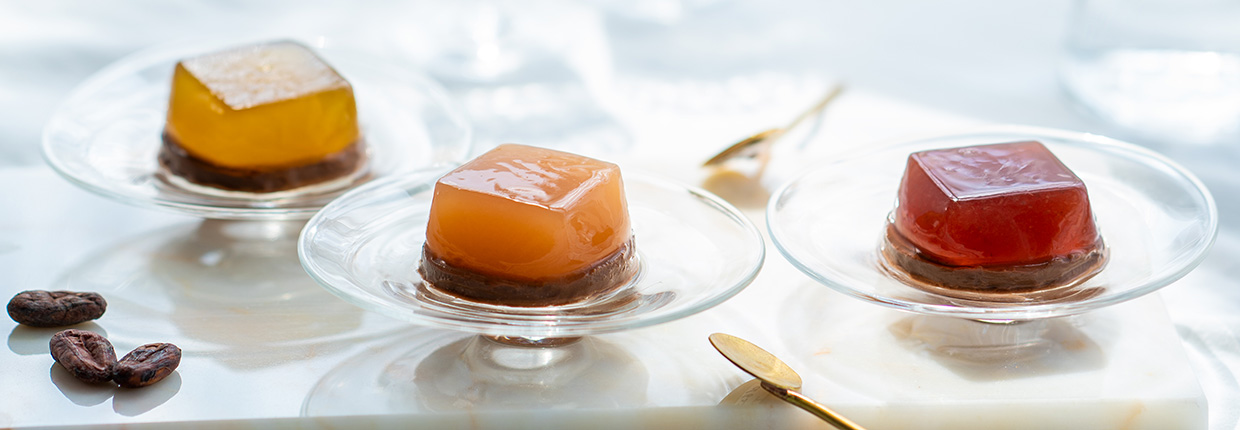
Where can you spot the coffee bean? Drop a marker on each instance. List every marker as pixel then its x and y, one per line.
pixel 147 365
pixel 87 355
pixel 37 308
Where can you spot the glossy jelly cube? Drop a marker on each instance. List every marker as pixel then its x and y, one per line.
pixel 527 213
pixel 258 107
pixel 994 205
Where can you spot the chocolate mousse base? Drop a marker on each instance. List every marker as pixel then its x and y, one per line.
pixel 611 273
pixel 1056 279
pixel 177 161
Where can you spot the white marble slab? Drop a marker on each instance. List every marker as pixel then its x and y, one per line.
pixel 266 347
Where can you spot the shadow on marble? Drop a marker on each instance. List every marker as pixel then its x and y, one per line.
pixel 992 351
pixel 819 322
pixel 132 402
pixel 78 392
pixel 233 291
pixel 751 393
pixel 129 402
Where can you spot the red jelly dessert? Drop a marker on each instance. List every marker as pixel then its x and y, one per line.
pixel 528 226
pixel 1006 217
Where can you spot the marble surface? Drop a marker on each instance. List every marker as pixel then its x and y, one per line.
pixel 656 84
pixel 263 341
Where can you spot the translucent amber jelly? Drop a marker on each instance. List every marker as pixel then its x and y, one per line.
pixel 527 226
pixel 260 118
pixel 1006 216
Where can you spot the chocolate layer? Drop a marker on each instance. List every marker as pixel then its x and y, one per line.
pixel 605 276
pixel 179 162
pixel 976 282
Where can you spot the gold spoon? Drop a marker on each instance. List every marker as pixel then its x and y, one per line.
pixel 736 172
pixel 777 378
pixel 758 145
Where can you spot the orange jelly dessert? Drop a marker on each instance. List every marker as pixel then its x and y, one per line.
pixel 1000 217
pixel 528 226
pixel 260 118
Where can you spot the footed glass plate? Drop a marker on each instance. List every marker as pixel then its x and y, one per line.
pixel 106 135
pixel 1157 220
pixel 694 249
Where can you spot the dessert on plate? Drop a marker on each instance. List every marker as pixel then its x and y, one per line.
pixel 995 219
pixel 528 226
pixel 261 118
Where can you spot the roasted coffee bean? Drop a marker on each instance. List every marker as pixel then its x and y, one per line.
pixel 147 365
pixel 87 355
pixel 37 308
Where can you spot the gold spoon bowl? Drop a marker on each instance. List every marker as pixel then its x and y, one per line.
pixel 777 378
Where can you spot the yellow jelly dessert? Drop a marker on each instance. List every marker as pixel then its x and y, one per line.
pixel 528 226
pixel 260 118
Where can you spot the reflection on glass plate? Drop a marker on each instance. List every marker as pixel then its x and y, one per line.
pixel 434 372
pixel 231 291
pixel 105 137
pixel 1156 218
pixel 696 251
pixel 443 371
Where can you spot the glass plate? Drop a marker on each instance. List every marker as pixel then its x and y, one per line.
pixel 695 251
pixel 105 137
pixel 1157 220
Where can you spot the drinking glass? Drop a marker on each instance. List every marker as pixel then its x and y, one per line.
pixel 1167 71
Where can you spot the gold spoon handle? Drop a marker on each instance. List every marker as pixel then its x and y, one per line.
pixel 817 107
pixel 820 411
